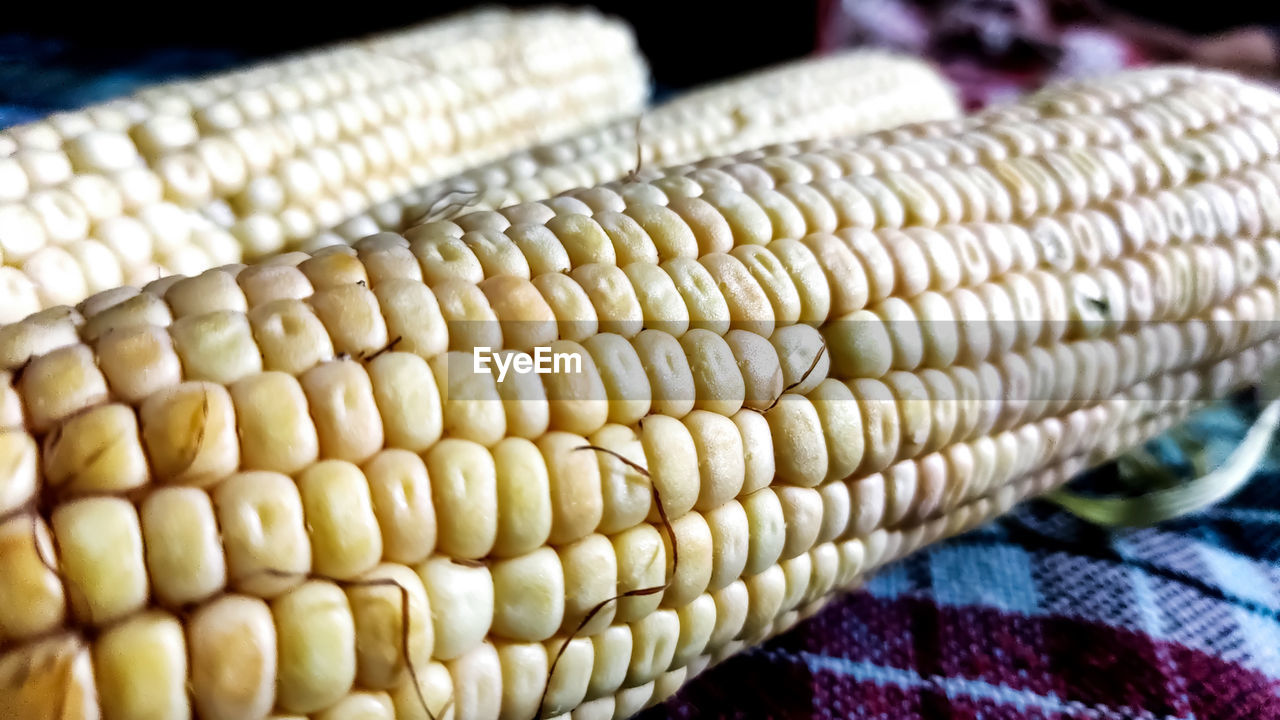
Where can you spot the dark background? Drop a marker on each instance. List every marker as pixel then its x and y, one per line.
pixel 53 56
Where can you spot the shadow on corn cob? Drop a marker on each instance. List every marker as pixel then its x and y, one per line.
pixel 284 489
pixel 179 177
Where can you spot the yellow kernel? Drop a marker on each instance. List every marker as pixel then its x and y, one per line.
pixel 464 491
pixel 232 645
pixel 462 603
pixel 377 599
pixel 290 336
pixel 190 433
pixel 140 667
pixel 100 545
pixel 316 645
pixel 183 545
pixel 341 401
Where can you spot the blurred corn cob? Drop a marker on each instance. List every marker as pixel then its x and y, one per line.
pixel 178 177
pixel 220 490
pixel 843 94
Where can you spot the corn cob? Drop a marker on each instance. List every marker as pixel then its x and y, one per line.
pixel 843 94
pixel 223 495
pixel 185 176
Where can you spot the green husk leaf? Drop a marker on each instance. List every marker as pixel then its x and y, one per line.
pixel 1139 469
pixel 1172 502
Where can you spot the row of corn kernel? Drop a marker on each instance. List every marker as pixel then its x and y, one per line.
pixel 809 99
pixel 1242 141
pixel 130 467
pixel 358 340
pixel 971 326
pixel 192 147
pixel 179 524
pixel 1076 133
pixel 851 213
pixel 128 463
pixel 767 593
pixel 751 607
pixel 440 683
pixel 590 239
pixel 195 288
pixel 772 593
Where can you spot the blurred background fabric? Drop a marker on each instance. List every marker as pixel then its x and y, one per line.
pixel 997 49
pixel 54 58
pixel 48 62
pixel 1035 616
